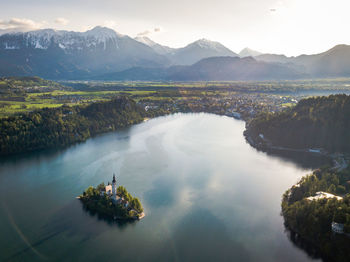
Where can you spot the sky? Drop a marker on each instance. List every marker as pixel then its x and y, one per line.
pixel 290 27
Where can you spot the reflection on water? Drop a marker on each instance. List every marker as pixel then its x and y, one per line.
pixel 302 159
pixel 310 249
pixel 334 247
pixel 207 195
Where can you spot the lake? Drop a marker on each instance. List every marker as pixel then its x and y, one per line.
pixel 207 195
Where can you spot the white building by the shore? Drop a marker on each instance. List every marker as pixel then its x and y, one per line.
pixel 321 195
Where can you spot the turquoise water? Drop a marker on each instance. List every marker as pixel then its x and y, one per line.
pixel 208 196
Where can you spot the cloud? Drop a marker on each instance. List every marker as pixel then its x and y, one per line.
pixel 144 33
pixel 149 32
pixel 19 25
pixel 61 21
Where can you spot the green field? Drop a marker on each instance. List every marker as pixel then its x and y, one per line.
pixel 21 101
pixel 24 94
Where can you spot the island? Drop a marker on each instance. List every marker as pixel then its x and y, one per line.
pixel 112 202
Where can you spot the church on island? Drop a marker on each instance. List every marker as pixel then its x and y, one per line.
pixel 111 191
pixel 112 201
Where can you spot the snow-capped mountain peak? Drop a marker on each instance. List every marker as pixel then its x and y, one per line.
pixel 102 33
pixel 159 49
pixel 207 44
pixel 145 40
pixel 249 52
pixel 66 40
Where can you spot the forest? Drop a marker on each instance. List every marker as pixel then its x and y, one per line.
pixel 317 122
pixel 62 126
pixel 311 220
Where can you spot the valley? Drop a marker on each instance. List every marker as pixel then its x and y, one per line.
pixel 24 94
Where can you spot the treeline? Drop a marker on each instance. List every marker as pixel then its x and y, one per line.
pixel 319 122
pixel 57 127
pixel 312 220
pixel 27 84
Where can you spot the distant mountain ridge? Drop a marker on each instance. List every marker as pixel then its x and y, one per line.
pixel 57 54
pixel 211 69
pixel 249 52
pixel 190 54
pixel 63 54
pixel 333 63
pixel 198 50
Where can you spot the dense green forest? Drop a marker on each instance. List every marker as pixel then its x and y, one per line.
pixel 57 127
pixel 311 220
pixel 318 122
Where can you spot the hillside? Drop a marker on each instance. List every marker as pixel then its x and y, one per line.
pixel 160 49
pixel 334 62
pixel 211 69
pixel 234 68
pixel 320 122
pixel 10 85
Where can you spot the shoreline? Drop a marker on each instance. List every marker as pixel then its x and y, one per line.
pixel 135 122
pixel 339 161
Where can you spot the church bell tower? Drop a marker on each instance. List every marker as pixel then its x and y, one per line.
pixel 114 187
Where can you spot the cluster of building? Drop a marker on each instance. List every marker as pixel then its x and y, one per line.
pixel 238 105
pixel 111 191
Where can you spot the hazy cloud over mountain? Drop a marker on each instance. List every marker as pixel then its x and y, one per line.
pixel 149 32
pixel 61 21
pixel 20 25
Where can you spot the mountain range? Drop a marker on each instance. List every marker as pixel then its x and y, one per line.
pixel 101 53
pixel 223 68
pixel 191 53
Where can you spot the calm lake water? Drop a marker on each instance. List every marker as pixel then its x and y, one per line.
pixel 208 196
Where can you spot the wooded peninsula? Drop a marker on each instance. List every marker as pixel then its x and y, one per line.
pixel 62 126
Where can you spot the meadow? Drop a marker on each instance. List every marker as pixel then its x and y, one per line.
pixel 24 94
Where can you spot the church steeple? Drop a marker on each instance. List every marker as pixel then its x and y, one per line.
pixel 114 187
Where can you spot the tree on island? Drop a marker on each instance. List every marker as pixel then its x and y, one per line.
pixel 136 204
pixel 98 201
pixel 101 187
